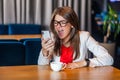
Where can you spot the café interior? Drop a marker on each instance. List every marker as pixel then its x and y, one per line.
pixel 21 26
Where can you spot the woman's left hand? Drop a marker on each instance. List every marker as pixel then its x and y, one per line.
pixel 76 64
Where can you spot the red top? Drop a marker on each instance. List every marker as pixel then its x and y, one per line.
pixel 66 54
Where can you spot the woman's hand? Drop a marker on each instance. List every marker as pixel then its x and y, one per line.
pixel 47 47
pixel 76 64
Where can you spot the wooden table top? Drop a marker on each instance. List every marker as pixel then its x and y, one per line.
pixel 18 37
pixel 35 72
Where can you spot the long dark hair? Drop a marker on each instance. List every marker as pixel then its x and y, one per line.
pixel 69 14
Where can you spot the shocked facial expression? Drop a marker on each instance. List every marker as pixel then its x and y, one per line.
pixel 62 27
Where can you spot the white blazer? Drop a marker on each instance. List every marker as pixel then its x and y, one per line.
pixel 101 55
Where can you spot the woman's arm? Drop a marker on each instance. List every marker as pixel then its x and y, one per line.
pixel 102 57
pixel 47 51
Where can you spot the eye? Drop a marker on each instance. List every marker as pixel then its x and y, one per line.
pixel 55 22
pixel 64 22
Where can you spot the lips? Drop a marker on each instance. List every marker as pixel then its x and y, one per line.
pixel 61 33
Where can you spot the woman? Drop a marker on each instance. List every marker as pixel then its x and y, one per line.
pixel 70 45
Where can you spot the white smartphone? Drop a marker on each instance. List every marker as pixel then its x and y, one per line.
pixel 46 34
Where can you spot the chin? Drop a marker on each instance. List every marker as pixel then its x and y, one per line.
pixel 61 37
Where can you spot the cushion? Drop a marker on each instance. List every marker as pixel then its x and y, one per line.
pixel 32 50
pixel 12 53
pixel 3 29
pixel 24 29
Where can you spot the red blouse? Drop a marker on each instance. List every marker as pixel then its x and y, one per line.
pixel 66 54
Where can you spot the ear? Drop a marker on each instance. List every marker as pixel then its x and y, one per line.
pixel 72 27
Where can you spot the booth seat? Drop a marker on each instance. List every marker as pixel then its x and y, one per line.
pixel 32 50
pixel 3 29
pixel 24 29
pixel 20 29
pixel 14 53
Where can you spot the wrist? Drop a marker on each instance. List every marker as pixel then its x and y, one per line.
pixel 87 62
pixel 45 52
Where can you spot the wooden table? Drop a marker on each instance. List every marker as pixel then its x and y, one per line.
pixel 35 72
pixel 18 37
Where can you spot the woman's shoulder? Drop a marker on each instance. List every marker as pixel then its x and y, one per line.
pixel 84 33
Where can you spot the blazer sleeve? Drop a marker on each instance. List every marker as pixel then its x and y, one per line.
pixel 42 60
pixel 101 55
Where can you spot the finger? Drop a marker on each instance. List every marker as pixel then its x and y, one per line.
pixel 49 45
pixel 46 43
pixel 50 49
pixel 45 40
pixel 71 65
pixel 65 65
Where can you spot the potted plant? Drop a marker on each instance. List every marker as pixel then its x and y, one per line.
pixel 111 25
pixel 111 28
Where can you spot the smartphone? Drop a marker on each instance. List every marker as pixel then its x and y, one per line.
pixel 46 34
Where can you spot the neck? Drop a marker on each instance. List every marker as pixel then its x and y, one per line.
pixel 67 44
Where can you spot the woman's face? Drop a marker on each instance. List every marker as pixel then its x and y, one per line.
pixel 62 27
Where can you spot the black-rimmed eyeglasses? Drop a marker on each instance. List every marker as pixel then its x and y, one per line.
pixel 62 23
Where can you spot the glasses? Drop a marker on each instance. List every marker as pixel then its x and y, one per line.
pixel 62 23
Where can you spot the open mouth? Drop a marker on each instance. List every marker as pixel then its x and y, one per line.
pixel 60 33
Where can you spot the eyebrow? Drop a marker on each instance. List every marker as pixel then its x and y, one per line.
pixel 60 20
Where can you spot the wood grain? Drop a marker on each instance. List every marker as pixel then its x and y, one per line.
pixel 35 72
pixel 18 37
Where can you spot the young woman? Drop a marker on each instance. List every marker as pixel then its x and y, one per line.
pixel 70 45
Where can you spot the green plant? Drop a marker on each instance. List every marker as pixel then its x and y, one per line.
pixel 111 23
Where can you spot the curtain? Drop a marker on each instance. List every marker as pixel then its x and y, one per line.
pixel 39 11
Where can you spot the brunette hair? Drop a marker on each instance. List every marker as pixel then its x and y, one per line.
pixel 70 15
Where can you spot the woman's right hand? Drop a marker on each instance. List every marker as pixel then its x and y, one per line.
pixel 47 47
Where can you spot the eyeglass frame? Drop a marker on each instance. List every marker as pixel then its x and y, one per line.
pixel 60 23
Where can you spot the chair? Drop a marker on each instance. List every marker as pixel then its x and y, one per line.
pixel 3 29
pixel 12 53
pixel 24 29
pixel 32 49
